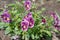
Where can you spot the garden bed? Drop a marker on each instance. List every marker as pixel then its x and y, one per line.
pixel 9 33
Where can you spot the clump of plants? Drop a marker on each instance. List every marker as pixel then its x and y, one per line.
pixel 23 21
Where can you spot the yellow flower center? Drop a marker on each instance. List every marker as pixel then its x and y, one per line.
pixel 8 18
pixel 24 26
pixel 30 23
pixel 27 6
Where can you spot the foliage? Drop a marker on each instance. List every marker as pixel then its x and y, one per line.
pixel 17 13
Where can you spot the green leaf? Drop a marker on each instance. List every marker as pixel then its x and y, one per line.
pixel 43 9
pixel 0 13
pixel 13 5
pixel 55 30
pixel 26 37
pixel 33 5
pixel 16 28
pixel 8 30
pixel 41 35
pixel 2 25
pixel 18 21
pixel 36 36
pixel 20 10
pixel 47 32
pixel 32 36
pixel 23 37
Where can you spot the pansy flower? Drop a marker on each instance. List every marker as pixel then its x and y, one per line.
pixel 5 16
pixel 27 4
pixel 56 20
pixel 57 24
pixel 57 27
pixel 24 25
pixel 43 20
pixel 31 22
pixel 28 15
pixel 53 14
pixel 28 22
pixel 30 19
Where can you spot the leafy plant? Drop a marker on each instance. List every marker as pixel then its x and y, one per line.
pixel 41 24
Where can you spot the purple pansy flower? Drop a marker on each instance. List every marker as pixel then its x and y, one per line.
pixel 57 27
pixel 56 20
pixel 31 22
pixel 43 21
pixel 57 24
pixel 24 25
pixel 53 14
pixel 5 16
pixel 27 4
pixel 30 19
pixel 28 15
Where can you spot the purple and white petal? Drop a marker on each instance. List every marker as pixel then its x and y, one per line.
pixel 24 25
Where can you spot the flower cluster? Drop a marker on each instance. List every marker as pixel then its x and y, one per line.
pixel 32 25
pixel 27 22
pixel 56 20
